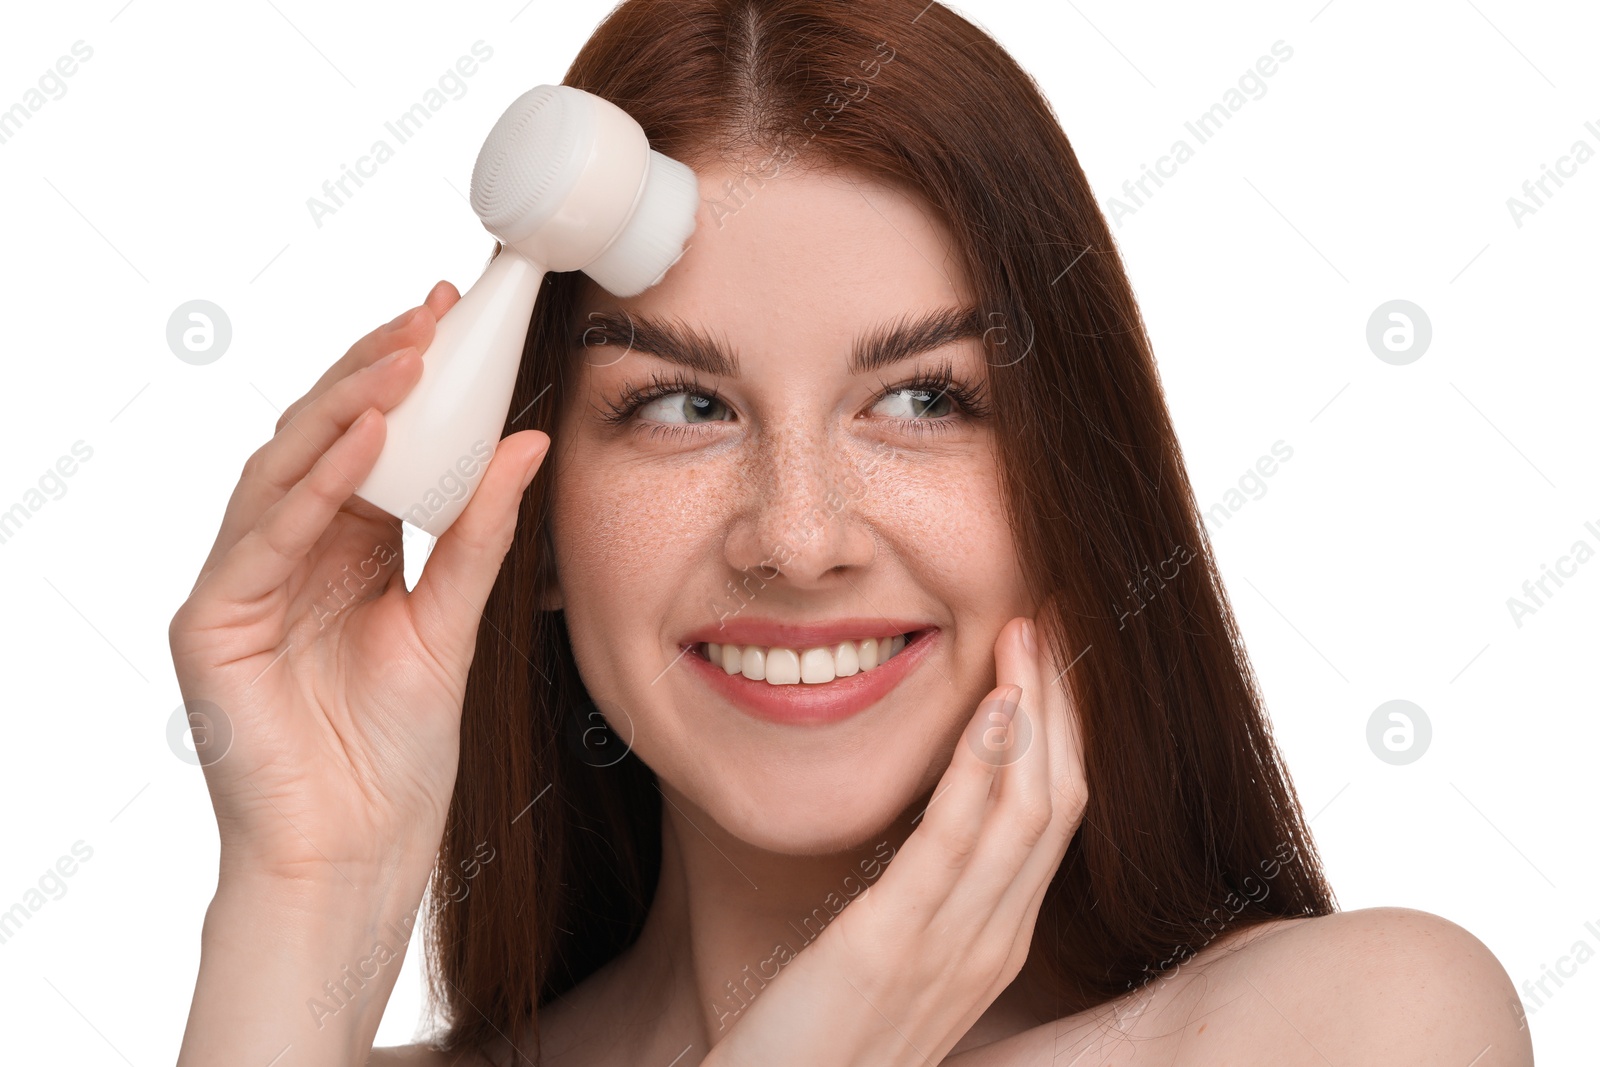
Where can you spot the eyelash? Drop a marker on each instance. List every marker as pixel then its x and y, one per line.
pixel 969 399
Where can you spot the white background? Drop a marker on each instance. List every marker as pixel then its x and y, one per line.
pixel 1377 565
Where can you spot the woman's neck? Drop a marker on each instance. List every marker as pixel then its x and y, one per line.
pixel 725 920
pixel 727 916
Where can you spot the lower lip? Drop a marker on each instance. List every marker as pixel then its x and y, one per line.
pixel 803 704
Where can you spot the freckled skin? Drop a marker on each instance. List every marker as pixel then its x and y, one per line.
pixel 649 531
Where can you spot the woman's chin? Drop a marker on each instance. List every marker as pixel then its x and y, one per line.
pixel 817 821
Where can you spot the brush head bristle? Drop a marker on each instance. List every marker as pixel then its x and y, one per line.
pixel 657 235
pixel 527 164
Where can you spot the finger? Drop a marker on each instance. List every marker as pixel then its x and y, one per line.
pixel 412 328
pixel 441 298
pixel 383 384
pixel 1021 929
pixel 265 557
pixel 1068 786
pixel 275 467
pixel 448 600
pixel 996 904
pixel 1021 810
pixel 934 856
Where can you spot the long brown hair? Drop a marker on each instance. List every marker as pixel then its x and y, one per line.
pixel 551 852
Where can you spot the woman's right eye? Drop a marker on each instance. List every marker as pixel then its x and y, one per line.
pixel 680 407
pixel 669 405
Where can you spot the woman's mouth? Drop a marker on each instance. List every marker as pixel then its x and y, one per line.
pixel 809 666
pixel 809 686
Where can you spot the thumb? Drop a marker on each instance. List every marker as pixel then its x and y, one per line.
pixel 448 600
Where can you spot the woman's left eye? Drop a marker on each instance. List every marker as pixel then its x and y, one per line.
pixel 911 402
pixel 936 402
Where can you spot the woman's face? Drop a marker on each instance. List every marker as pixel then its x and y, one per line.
pixel 797 491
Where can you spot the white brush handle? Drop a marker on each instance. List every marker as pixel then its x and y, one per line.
pixel 441 435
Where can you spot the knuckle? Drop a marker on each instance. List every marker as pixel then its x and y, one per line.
pixel 254 464
pixel 1011 966
pixel 484 545
pixel 183 629
pixel 471 534
pixel 959 844
pixel 1037 811
pixel 993 958
pixel 328 484
pixel 868 940
pixel 1073 791
pixel 178 625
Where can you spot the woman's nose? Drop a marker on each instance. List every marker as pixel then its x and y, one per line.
pixel 801 512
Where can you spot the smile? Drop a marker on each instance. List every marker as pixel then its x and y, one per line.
pixel 811 666
pixel 810 686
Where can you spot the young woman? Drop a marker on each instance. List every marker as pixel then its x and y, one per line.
pixel 854 688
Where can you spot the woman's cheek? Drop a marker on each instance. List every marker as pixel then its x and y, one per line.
pixel 626 530
pixel 950 517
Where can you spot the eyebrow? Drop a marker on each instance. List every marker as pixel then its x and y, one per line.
pixel 675 342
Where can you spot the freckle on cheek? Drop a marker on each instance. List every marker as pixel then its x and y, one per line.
pixel 627 534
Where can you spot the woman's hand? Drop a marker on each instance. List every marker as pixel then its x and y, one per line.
pixel 911 964
pixel 325 699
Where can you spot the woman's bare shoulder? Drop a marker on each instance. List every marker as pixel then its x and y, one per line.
pixel 423 1056
pixel 1372 985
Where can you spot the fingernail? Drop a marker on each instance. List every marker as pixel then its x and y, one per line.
pixel 1028 640
pixel 400 319
pixel 1010 697
pixel 390 358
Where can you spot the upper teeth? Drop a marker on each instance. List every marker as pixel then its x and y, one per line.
pixel 787 666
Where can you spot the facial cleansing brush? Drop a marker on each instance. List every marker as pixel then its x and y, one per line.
pixel 567 181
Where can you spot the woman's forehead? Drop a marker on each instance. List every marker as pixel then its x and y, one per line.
pixel 808 257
